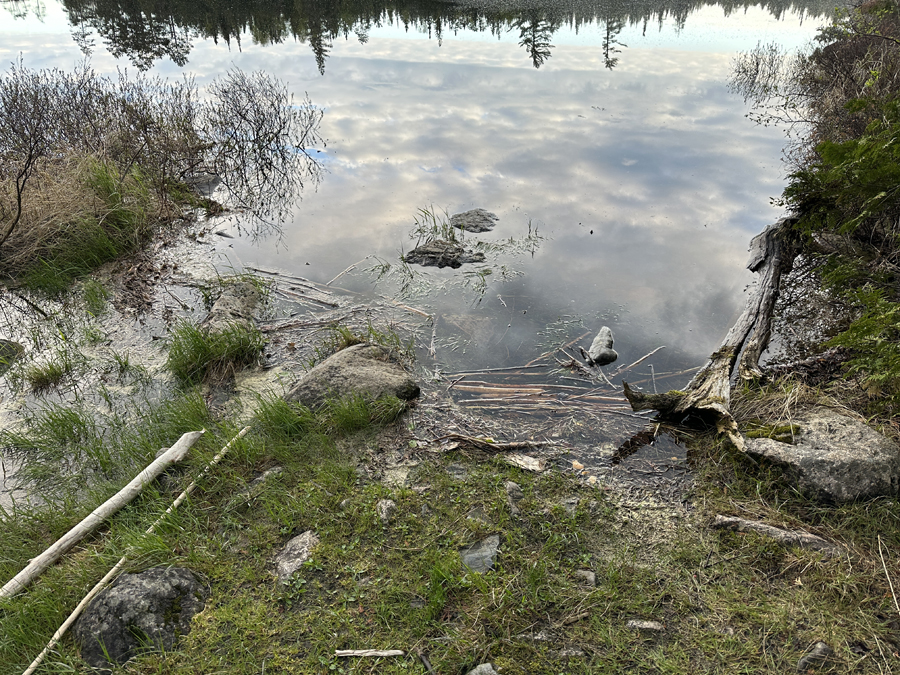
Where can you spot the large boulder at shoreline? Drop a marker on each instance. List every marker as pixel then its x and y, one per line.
pixel 440 253
pixel 476 220
pixel 834 457
pixel 138 612
pixel 365 370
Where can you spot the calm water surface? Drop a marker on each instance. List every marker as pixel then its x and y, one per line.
pixel 604 127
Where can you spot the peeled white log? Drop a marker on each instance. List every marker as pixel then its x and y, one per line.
pixel 104 582
pixel 37 565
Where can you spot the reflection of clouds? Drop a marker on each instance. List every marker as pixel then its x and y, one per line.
pixel 655 157
pixel 670 177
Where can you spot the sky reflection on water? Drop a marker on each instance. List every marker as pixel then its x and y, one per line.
pixel 646 180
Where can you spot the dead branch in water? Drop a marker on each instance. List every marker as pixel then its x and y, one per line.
pixel 709 393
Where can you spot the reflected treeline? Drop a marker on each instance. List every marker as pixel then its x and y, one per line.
pixel 145 31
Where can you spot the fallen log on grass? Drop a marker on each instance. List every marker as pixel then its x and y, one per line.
pixel 37 565
pixel 708 395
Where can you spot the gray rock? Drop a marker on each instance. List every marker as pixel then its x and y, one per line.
pixel 255 488
pixel 815 657
pixel 834 457
pixel 235 305
pixel 457 471
pixel 649 626
pixel 139 612
pixel 368 370
pixel 476 220
pixel 386 508
pixel 440 253
pixel 514 495
pixel 483 669
pixel 601 352
pixel 296 552
pixel 586 577
pixel 479 557
pixel 570 504
pixel 478 515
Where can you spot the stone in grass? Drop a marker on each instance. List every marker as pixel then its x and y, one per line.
pixel 645 626
pixel 365 370
pixel 476 220
pixel 386 509
pixel 139 612
pixel 296 552
pixel 514 495
pixel 815 657
pixel 483 669
pixel 585 577
pixel 834 457
pixel 479 557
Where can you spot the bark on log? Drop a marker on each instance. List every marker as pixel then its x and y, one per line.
pixel 709 393
pixel 37 565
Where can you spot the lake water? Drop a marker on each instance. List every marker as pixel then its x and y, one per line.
pixel 602 135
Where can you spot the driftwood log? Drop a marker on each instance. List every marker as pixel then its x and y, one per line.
pixel 708 395
pixel 99 515
pixel 119 566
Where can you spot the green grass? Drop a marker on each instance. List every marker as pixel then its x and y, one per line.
pixel 196 355
pixel 41 378
pixel 729 602
pixel 118 225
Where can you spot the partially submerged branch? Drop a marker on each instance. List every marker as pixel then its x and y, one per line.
pixel 709 394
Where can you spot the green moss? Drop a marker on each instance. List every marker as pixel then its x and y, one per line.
pixel 784 433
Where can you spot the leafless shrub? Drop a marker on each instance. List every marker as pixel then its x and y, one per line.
pixel 247 131
pixel 856 58
pixel 258 140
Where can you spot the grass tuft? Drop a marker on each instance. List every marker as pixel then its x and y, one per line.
pixel 197 356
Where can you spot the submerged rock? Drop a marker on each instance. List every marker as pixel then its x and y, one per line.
pixel 834 457
pixel 601 352
pixel 367 370
pixel 476 220
pixel 138 612
pixel 440 253
pixel 235 305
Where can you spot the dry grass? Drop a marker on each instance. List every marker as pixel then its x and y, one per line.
pixel 80 213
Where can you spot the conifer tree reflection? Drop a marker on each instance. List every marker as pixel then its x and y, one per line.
pixel 535 31
pixel 146 31
pixel 611 42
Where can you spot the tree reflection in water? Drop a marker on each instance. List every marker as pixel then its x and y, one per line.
pixel 145 31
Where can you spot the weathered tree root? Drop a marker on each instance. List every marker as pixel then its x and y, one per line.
pixel 708 395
